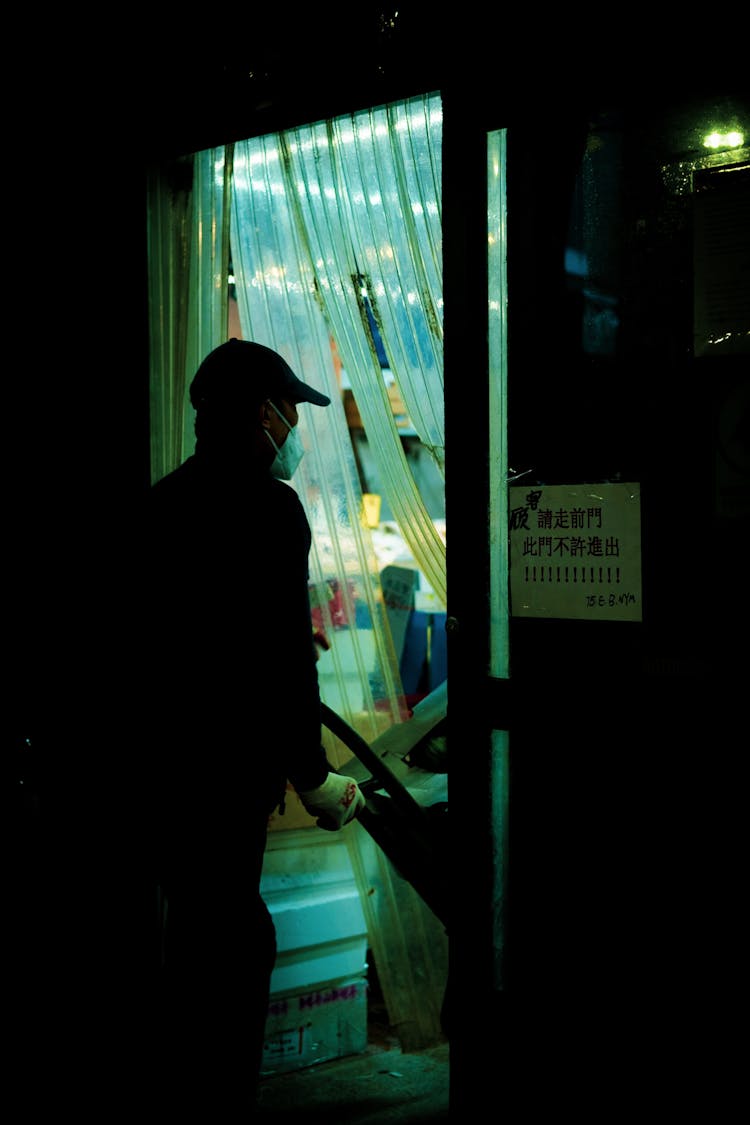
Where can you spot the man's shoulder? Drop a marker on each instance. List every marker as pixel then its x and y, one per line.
pixel 192 480
pixel 178 478
pixel 181 486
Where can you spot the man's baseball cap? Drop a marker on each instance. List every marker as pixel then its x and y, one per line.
pixel 241 369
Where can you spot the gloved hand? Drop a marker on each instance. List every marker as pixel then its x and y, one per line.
pixel 336 802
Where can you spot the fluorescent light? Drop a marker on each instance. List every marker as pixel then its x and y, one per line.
pixel 724 140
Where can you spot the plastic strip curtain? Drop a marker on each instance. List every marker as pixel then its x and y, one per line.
pixel 168 230
pixel 279 306
pixel 390 162
pixel 207 325
pixel 367 193
pixel 188 255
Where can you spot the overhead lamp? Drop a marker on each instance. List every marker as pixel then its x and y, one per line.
pixel 715 140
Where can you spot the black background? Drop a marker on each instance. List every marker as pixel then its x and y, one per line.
pixel 626 872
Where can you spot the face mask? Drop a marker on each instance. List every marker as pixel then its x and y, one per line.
pixel 289 455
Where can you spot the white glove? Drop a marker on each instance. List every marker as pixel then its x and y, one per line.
pixel 335 802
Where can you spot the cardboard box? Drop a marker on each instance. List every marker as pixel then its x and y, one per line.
pixel 326 1023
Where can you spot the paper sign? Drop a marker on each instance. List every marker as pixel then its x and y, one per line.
pixel 575 551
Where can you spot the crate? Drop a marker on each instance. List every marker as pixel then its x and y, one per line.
pixel 316 1026
pixel 318 1003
